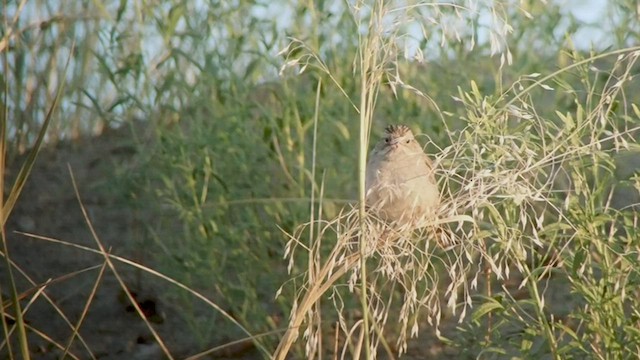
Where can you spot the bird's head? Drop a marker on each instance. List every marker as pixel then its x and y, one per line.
pixel 397 139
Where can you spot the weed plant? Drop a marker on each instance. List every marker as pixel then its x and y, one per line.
pixel 511 182
pixel 259 132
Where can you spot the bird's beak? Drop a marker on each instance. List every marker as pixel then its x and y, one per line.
pixel 394 143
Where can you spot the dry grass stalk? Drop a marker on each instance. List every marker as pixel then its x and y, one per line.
pixel 503 179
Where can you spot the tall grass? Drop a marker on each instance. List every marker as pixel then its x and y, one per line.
pixel 505 174
pixel 255 151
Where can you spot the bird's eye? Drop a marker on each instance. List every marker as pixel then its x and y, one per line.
pixel 408 141
pixel 386 140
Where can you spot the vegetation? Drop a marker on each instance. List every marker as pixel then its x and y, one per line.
pixel 259 130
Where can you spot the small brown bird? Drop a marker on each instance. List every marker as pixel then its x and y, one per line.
pixel 400 184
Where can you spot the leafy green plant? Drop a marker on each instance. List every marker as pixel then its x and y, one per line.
pixel 564 245
pixel 506 168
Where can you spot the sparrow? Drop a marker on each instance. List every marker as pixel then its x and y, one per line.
pixel 400 183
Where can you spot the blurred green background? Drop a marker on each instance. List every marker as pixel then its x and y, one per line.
pixel 222 119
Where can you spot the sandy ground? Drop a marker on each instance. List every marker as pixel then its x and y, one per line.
pixel 48 207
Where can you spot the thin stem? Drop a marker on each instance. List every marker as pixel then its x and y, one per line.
pixel 543 320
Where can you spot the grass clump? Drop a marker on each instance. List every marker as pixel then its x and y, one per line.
pixel 514 175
